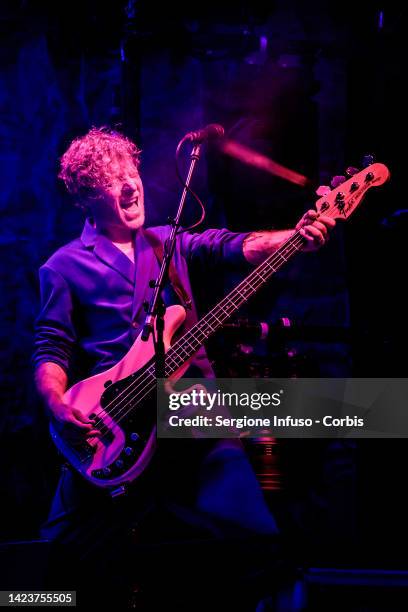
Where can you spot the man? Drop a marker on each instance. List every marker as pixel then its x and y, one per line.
pixel 92 293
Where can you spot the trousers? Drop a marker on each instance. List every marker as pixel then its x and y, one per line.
pixel 194 490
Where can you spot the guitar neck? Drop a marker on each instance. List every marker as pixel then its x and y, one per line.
pixel 192 340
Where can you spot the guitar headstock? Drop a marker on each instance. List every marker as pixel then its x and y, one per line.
pixel 342 201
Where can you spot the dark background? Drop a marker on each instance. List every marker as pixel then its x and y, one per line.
pixel 312 86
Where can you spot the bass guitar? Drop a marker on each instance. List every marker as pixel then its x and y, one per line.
pixel 120 399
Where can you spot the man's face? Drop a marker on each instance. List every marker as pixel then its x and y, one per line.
pixel 121 204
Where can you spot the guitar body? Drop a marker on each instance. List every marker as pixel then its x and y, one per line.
pixel 127 445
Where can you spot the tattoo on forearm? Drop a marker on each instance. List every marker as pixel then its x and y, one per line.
pixel 252 237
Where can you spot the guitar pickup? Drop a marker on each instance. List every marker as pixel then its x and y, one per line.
pixel 84 450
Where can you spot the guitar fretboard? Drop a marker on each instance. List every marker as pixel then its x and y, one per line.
pixel 192 340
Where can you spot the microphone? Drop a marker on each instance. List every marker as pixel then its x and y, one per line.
pixel 249 331
pixel 244 330
pixel 209 132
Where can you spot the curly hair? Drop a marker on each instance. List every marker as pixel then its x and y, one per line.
pixel 88 162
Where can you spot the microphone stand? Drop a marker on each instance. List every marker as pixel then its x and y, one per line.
pixel 154 322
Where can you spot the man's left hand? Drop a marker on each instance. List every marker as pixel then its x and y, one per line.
pixel 316 232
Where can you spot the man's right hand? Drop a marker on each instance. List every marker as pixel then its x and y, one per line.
pixel 71 423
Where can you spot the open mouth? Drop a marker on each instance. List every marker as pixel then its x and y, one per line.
pixel 128 204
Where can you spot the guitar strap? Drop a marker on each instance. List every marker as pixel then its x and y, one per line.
pixel 177 285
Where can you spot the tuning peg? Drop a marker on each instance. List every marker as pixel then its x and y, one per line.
pixel 351 171
pixel 368 159
pixel 323 190
pixel 337 180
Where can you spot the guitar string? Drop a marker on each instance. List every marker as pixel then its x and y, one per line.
pixel 295 242
pixel 174 349
pixel 147 389
pixel 208 320
pixel 256 283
